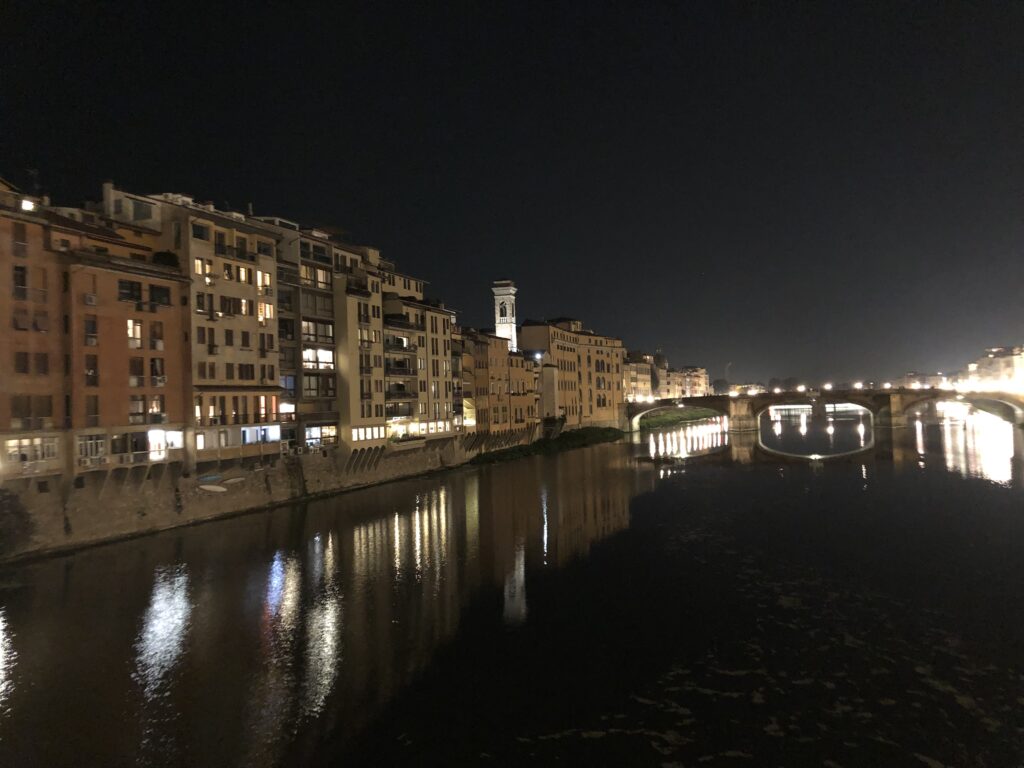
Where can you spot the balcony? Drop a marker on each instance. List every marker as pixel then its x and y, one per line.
pixel 363 319
pixel 31 422
pixel 400 370
pixel 24 293
pixel 399 394
pixel 157 418
pixel 92 462
pixel 266 290
pixel 397 346
pixel 365 344
pixel 136 418
pixel 366 395
pixel 212 349
pixel 399 321
pixel 365 370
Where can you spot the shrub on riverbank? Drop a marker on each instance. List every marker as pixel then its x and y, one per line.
pixel 669 418
pixel 576 438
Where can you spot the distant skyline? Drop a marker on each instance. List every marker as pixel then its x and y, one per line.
pixel 832 191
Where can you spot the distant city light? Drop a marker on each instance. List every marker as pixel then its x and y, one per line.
pixel 537 355
pixel 27 205
pixel 858 385
pixel 752 391
pixel 827 387
pixel 887 385
pixel 801 388
pixel 777 390
pixel 734 393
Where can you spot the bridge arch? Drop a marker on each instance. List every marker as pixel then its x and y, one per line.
pixel 637 411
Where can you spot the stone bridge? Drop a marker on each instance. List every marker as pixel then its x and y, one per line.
pixel 889 407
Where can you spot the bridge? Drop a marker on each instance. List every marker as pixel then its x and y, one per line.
pixel 888 407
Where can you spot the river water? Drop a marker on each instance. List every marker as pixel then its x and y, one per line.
pixel 684 596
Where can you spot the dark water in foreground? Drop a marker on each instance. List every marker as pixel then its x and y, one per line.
pixel 592 607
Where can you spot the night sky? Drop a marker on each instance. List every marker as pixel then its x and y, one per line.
pixel 829 191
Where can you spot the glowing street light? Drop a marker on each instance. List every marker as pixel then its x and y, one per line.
pixel 887 385
pixel 801 388
pixel 777 390
pixel 827 387
pixel 858 385
pixel 734 393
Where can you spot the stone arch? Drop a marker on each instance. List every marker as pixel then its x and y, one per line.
pixel 713 404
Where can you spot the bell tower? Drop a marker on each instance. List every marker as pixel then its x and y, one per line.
pixel 505 311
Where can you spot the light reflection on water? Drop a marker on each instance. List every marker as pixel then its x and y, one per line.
pixel 7 659
pixel 973 443
pixel 694 439
pixel 162 640
pixel 816 432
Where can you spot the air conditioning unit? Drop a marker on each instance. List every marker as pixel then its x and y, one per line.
pixel 90 299
pixel 159 381
pixel 91 340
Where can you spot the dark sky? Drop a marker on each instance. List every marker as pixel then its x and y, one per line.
pixel 801 189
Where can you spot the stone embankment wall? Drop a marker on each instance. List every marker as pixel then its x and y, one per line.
pixel 57 514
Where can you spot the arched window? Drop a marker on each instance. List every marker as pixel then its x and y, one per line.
pixel 502 310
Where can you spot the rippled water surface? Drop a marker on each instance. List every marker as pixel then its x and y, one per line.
pixel 683 596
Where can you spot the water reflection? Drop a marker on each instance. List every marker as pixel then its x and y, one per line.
pixel 7 659
pixel 816 431
pixel 324 629
pixel 972 442
pixel 696 438
pixel 160 643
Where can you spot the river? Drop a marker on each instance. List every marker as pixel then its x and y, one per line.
pixel 685 595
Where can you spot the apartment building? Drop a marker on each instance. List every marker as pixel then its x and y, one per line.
pixel 524 394
pixel 587 368
pixel 395 351
pixel 33 407
pixel 95 349
pixel 231 262
pixel 638 380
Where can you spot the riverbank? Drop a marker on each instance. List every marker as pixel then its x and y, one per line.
pixel 57 515
pixel 669 418
pixel 567 441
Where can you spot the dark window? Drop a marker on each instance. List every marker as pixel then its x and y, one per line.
pixel 160 294
pixel 200 232
pixel 129 290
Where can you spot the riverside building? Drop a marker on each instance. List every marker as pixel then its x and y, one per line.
pixel 232 328
pixel 584 369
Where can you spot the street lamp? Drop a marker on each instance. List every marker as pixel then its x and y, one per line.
pixel 827 387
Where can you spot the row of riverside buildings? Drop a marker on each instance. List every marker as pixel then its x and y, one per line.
pixel 155 328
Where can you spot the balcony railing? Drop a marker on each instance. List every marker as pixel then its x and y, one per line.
pixel 366 395
pixel 400 370
pixel 366 370
pixel 157 344
pixel 136 381
pixel 24 293
pixel 158 381
pixel 399 394
pixel 397 346
pixel 32 422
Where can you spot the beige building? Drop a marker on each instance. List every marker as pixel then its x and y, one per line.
pixel 582 371
pixel 395 353
pixel 638 380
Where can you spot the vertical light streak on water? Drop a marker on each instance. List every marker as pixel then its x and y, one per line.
pixel 161 640
pixel 323 632
pixel 417 543
pixel 7 660
pixel 515 588
pixel 919 437
pixel 396 543
pixel 544 513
